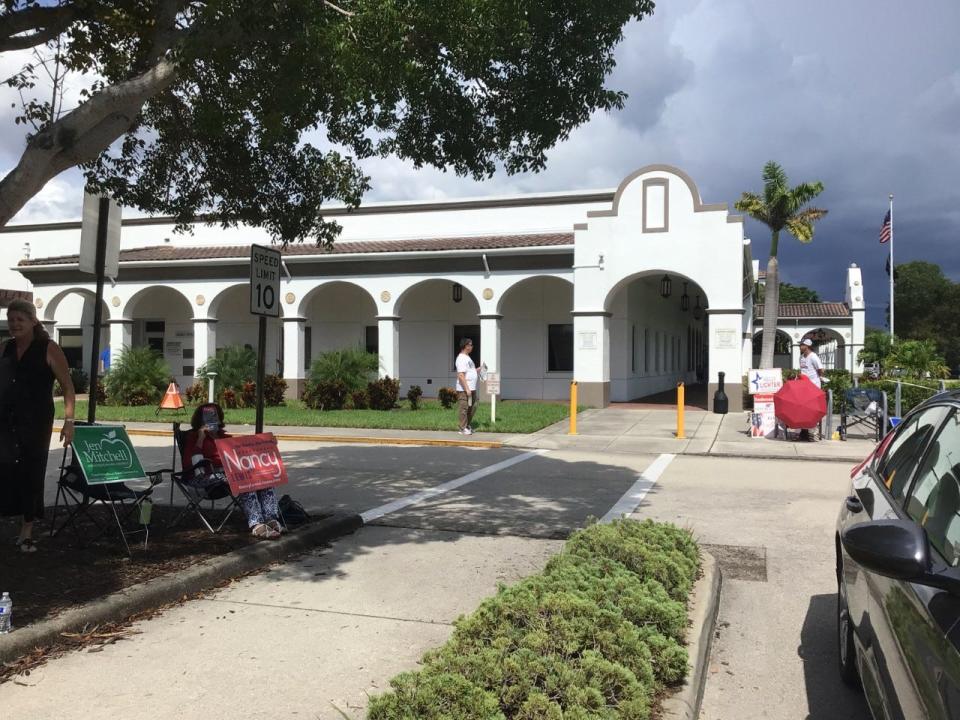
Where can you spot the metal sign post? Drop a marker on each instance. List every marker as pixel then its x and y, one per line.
pixel 265 266
pixel 493 388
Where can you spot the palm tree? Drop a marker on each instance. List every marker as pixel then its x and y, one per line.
pixel 779 208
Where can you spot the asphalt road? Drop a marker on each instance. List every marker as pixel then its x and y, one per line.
pixel 431 558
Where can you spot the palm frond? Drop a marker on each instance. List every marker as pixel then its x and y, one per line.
pixel 753 205
pixel 804 193
pixel 802 230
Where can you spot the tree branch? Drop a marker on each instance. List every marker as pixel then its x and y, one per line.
pixel 44 23
pixel 346 13
pixel 81 135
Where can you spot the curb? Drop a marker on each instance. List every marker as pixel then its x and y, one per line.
pixel 354 439
pixel 684 704
pixel 169 588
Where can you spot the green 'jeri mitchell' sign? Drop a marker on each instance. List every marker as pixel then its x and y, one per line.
pixel 106 454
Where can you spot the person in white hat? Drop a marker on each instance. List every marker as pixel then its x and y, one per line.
pixel 810 364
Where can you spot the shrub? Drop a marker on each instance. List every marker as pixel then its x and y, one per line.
pixel 196 393
pixel 248 394
pixel 359 400
pixel 354 367
pixel 383 393
pixel 101 392
pixel 840 380
pixel 596 635
pixel 234 365
pixel 138 377
pixel 447 397
pixel 229 399
pixel 81 382
pixel 325 395
pixel 274 390
pixel 413 395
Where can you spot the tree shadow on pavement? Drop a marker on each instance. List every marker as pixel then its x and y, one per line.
pixel 828 698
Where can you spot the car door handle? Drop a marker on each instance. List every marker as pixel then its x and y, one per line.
pixel 854 504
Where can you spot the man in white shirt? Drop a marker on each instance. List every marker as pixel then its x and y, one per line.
pixel 810 364
pixel 466 386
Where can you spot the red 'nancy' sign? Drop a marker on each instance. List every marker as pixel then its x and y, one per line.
pixel 251 462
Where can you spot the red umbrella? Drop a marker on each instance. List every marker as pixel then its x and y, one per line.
pixel 800 403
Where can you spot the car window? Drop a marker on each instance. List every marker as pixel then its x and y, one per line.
pixel 934 501
pixel 898 463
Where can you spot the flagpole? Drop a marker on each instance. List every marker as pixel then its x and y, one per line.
pixel 892 273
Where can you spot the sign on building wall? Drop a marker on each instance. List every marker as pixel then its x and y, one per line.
pixel 726 339
pixel 587 340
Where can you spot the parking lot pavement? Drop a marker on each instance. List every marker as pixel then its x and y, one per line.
pixel 771 526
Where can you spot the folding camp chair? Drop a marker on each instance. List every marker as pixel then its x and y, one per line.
pixel 196 495
pixel 866 407
pixel 78 498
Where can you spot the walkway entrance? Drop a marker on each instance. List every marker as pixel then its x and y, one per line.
pixel 695 398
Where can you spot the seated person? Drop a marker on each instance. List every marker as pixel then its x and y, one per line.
pixel 260 507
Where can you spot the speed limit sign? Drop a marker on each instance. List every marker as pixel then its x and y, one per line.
pixel 264 281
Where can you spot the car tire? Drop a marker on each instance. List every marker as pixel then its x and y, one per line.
pixel 846 648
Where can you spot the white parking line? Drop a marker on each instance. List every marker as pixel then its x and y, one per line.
pixel 634 496
pixel 379 512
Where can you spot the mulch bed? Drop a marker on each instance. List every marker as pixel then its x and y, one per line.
pixel 65 571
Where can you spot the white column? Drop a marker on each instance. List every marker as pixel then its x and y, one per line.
pixel 294 354
pixel 388 327
pixel 204 340
pixel 795 354
pixel 490 344
pixel 591 357
pixel 121 336
pixel 725 354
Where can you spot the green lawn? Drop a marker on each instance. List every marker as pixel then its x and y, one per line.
pixel 512 416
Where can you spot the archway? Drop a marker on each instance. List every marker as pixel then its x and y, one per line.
pixel 236 326
pixel 536 339
pixel 658 331
pixel 830 346
pixel 163 320
pixel 782 349
pixel 434 316
pixel 338 315
pixel 68 317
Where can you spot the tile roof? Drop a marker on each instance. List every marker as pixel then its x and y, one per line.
pixel 168 253
pixel 6 296
pixel 808 310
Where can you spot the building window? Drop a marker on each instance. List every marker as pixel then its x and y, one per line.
pixel 633 349
pixel 646 350
pixel 307 347
pixel 154 326
pixel 468 331
pixel 372 339
pixel 560 348
pixel 188 370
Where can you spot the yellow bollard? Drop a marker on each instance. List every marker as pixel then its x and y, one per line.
pixel 680 400
pixel 573 407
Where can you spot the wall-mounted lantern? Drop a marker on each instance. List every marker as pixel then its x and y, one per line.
pixel 684 299
pixel 697 310
pixel 457 292
pixel 666 287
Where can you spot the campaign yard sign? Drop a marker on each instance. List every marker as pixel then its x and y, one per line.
pixel 765 382
pixel 251 462
pixel 106 454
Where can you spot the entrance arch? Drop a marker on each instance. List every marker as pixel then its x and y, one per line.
pixel 161 318
pixel 68 317
pixel 339 315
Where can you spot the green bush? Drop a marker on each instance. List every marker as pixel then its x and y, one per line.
pixel 354 367
pixel 595 636
pixel 413 395
pixel 196 393
pixel 81 382
pixel 383 393
pixel 359 400
pixel 234 365
pixel 447 397
pixel 911 394
pixel 138 377
pixel 840 381
pixel 325 395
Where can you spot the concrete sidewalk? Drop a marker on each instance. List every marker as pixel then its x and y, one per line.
pixel 615 429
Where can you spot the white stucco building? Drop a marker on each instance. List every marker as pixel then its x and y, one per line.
pixel 627 291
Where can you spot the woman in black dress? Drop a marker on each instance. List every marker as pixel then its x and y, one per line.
pixel 32 362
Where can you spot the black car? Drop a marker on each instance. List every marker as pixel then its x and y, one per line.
pixel 898 550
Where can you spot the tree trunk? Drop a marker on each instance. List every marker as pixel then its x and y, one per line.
pixel 771 312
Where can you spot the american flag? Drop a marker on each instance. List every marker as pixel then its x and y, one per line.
pixel 885 228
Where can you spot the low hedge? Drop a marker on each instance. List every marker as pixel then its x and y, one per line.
pixel 595 636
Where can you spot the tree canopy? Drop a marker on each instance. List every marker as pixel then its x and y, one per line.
pixel 789 294
pixel 200 107
pixel 927 307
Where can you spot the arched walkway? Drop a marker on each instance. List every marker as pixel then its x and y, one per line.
pixel 68 317
pixel 159 317
pixel 338 315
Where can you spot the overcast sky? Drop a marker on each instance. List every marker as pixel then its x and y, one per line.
pixel 864 96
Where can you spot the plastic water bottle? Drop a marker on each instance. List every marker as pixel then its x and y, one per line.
pixel 6 612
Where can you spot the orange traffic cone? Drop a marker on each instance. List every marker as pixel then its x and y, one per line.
pixel 171 399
